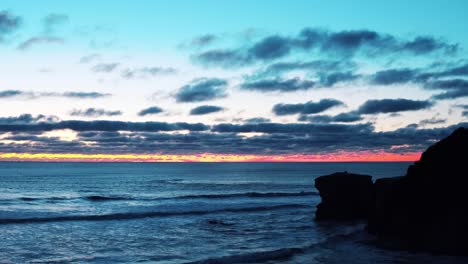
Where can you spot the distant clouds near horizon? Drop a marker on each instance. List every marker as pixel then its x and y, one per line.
pixel 99 85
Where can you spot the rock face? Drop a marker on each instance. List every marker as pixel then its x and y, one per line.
pixel 425 210
pixel 345 196
pixel 428 208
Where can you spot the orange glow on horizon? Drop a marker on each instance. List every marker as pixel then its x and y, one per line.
pixel 209 157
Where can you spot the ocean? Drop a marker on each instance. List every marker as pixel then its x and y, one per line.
pixel 181 213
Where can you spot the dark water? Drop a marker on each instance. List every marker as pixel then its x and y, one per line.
pixel 180 213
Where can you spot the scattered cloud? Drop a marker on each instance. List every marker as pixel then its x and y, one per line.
pixel 205 109
pixel 94 112
pixel 8 24
pixel 306 108
pixel 35 95
pixel 203 89
pixel 340 118
pixel 145 72
pixel 343 44
pixel 150 111
pixel 40 40
pixel 105 67
pixel 393 106
pixel 277 85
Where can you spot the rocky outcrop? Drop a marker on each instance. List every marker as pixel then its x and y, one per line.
pixel 427 209
pixel 345 196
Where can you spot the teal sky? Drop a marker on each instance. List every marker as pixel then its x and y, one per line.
pixel 401 67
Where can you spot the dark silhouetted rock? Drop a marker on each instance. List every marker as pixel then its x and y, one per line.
pixel 345 196
pixel 428 208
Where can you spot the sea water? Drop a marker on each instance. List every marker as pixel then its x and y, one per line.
pixel 181 213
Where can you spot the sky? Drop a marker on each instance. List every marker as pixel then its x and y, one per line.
pixel 230 81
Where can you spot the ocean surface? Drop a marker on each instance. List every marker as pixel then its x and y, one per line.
pixel 181 213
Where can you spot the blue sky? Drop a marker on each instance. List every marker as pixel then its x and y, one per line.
pixel 367 68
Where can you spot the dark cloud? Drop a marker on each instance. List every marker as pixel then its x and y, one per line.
pixel 340 43
pixel 306 108
pixel 273 139
pixel 455 88
pixel 340 118
pixel 465 113
pixel 105 67
pixel 271 47
pixel 204 89
pixel 103 125
pixel 150 111
pixel 94 112
pixel 331 79
pixel 27 119
pixel 40 40
pixel 8 23
pixel 311 66
pixel 147 72
pixel 394 76
pixel 392 106
pixel 222 57
pixel 257 120
pixel 205 109
pixel 277 85
pixel 10 93
pixel 432 121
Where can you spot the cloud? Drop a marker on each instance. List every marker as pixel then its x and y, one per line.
pixel 277 85
pixel 340 118
pixel 225 58
pixel 310 66
pixel 10 93
pixel 35 95
pixel 393 106
pixel 8 23
pixel 394 76
pixel 203 89
pixel 331 79
pixel 147 72
pixel 203 40
pixel 84 94
pixel 27 119
pixel 455 88
pixel 51 21
pixel 94 112
pixel 432 121
pixel 105 67
pixel 89 58
pixel 103 125
pixel 342 44
pixel 205 109
pixel 257 120
pixel 306 108
pixel 150 111
pixel 40 40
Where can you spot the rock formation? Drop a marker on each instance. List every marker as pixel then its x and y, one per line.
pixel 425 210
pixel 345 196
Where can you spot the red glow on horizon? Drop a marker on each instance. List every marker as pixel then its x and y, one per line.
pixel 209 157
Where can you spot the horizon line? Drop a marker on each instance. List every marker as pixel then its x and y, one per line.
pixel 362 156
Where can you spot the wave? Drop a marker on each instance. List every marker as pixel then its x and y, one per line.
pixel 283 253
pixel 256 257
pixel 102 198
pixel 248 194
pixel 139 215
